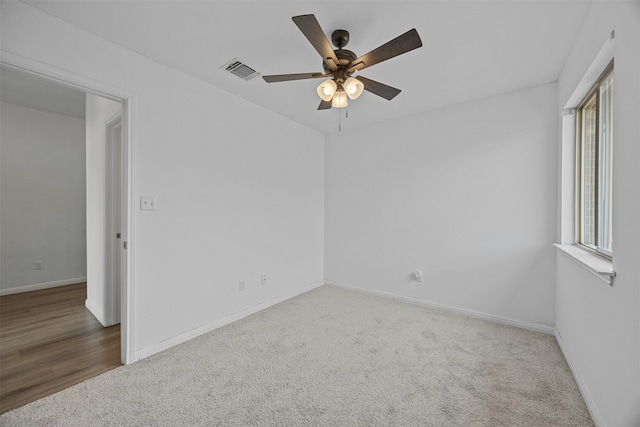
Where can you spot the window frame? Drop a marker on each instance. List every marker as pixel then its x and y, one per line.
pixel 594 92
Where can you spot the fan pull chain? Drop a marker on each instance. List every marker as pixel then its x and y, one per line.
pixel 346 116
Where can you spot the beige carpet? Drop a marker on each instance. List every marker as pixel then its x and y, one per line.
pixel 331 357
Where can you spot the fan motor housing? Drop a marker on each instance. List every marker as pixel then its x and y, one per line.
pixel 345 57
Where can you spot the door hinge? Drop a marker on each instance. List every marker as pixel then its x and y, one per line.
pixel 117 235
pixel 125 245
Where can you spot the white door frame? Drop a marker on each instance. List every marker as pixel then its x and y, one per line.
pixel 19 63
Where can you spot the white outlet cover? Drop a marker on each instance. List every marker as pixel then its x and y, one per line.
pixel 148 203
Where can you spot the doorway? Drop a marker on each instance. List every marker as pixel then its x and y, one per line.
pixel 49 337
pixel 121 307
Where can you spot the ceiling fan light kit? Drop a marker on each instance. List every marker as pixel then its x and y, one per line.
pixel 340 64
pixel 340 99
pixel 353 87
pixel 326 89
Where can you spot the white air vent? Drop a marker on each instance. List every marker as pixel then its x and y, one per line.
pixel 237 68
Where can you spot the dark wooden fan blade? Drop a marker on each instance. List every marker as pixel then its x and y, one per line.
pixel 324 105
pixel 310 27
pixel 287 77
pixel 401 44
pixel 380 89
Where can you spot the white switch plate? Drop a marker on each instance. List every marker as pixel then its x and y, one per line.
pixel 147 203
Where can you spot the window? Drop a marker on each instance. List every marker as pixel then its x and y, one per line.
pixel 594 166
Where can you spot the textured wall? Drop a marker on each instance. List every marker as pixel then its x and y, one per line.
pixel 600 325
pixel 42 198
pixel 466 194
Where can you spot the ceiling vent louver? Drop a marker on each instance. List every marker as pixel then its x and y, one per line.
pixel 237 68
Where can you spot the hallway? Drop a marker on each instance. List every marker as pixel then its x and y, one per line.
pixel 49 341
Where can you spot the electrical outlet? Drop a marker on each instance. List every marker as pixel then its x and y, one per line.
pixel 241 285
pixel 39 265
pixel 147 203
pixel 263 280
pixel 416 276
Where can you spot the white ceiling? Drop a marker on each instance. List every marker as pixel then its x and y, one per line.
pixel 34 92
pixel 471 49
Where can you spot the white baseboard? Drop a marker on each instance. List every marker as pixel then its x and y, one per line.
pixel 586 395
pixel 465 312
pixel 171 342
pixel 38 286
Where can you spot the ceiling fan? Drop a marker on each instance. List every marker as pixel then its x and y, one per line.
pixel 340 64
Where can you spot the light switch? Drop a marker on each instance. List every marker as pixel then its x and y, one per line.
pixel 147 203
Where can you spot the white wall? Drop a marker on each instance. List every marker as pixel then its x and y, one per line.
pixel 466 194
pixel 98 112
pixel 237 196
pixel 43 199
pixel 600 325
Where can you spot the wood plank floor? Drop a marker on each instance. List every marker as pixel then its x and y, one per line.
pixel 50 341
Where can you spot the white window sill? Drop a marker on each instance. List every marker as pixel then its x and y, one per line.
pixel 593 263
